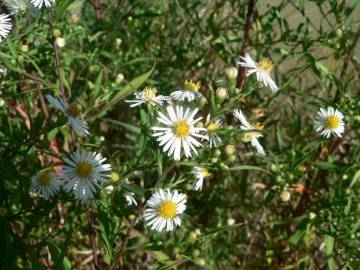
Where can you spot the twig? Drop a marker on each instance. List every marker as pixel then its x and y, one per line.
pixel 248 26
pixel 91 220
pixel 97 10
pixel 58 62
pixel 346 61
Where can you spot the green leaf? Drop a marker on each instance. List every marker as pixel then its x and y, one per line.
pixel 355 178
pixel 76 4
pixel 61 262
pixel 248 167
pixel 296 237
pixel 329 242
pixel 125 91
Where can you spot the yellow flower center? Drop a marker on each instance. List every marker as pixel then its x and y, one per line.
pixel 167 209
pixel 190 85
pixel 212 127
pixel 182 129
pixel 149 93
pixel 44 179
pixel 205 172
pixel 248 136
pixel 74 110
pixel 265 65
pixel 333 121
pixel 83 169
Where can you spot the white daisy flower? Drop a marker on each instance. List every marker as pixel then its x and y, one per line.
pixel 178 131
pixel 5 26
pixel 330 122
pixel 85 173
pixel 189 93
pixel 261 69
pixel 200 173
pixel 164 208
pixel 41 3
pixel 46 184
pixel 211 127
pixel 148 95
pixel 72 112
pixel 253 135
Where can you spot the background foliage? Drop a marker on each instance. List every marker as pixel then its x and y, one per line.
pixel 162 43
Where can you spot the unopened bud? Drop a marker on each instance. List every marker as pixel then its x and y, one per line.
pixel 193 236
pixel 60 42
pixel 56 33
pixel 196 253
pixel 221 94
pixel 230 149
pixel 202 102
pixel 119 78
pixel 285 196
pixel 114 176
pixel 230 221
pixel 25 48
pixel 231 73
pixel 200 261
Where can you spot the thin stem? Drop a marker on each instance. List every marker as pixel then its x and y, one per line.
pixel 248 26
pixel 91 220
pixel 58 62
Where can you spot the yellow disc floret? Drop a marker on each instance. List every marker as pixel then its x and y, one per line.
pixel 167 209
pixel 149 93
pixel 74 110
pixel 44 179
pixel 333 121
pixel 205 172
pixel 190 85
pixel 182 129
pixel 212 127
pixel 248 136
pixel 265 65
pixel 83 169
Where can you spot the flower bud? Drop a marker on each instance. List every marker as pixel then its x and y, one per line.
pixel 118 42
pixel 131 217
pixel 231 73
pixel 24 48
pixel 200 261
pixel 188 187
pixel 193 236
pixel 119 78
pixel 60 42
pixel 56 33
pixel 221 94
pixel 202 102
pixel 230 149
pixel 114 176
pixel 231 158
pixel 230 221
pixel 285 196
pixel 216 153
pixel 196 253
